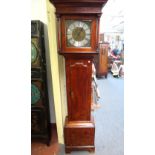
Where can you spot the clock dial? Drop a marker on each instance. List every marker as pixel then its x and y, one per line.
pixel 35 94
pixel 34 53
pixel 78 33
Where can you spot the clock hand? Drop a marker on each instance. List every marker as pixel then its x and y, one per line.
pixel 78 34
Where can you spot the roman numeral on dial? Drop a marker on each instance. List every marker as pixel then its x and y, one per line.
pixel 78 33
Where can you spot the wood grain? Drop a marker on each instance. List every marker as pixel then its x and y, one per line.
pixel 79 135
pixel 78 77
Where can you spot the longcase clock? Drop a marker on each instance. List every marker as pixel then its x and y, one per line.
pixel 40 115
pixel 78 33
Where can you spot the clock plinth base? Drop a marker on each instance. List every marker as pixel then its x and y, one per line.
pixel 69 149
pixel 79 135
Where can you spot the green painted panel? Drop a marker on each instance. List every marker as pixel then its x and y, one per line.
pixel 35 94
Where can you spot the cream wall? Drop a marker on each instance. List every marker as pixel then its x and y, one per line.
pixel 38 12
pixel 43 10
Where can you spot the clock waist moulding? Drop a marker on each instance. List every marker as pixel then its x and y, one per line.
pixel 78 35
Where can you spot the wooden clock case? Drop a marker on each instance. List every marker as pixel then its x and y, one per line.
pixel 92 48
pixel 79 128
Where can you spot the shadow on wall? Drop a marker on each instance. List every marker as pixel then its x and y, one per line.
pixel 49 77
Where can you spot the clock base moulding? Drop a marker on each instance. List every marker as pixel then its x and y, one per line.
pixel 79 135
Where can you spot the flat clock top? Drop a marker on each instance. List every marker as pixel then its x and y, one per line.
pixel 79 6
pixel 78 33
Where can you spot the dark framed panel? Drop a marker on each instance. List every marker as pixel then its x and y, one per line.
pixel 40 113
pixel 38 123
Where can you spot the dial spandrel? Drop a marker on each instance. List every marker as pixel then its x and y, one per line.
pixel 78 33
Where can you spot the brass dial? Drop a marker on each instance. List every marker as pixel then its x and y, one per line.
pixel 78 33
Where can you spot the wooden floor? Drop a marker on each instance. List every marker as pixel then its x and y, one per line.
pixel 38 148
